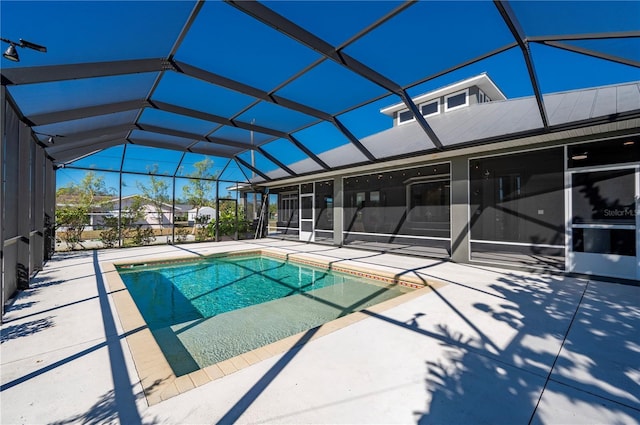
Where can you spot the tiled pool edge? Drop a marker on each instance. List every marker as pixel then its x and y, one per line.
pixel 156 376
pixel 364 271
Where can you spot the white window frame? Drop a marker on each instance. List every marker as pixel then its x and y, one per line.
pixel 285 201
pixel 437 102
pixel 405 121
pixel 465 104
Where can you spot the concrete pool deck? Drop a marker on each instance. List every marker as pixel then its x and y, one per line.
pixel 490 346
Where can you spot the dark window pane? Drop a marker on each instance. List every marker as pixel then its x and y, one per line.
pixel 306 188
pixel 457 100
pixel 405 116
pixel 604 197
pixel 429 108
pixel 614 151
pixel 518 197
pixel 306 207
pixel 605 241
pixel 429 202
pixel 412 202
pixel 306 226
pixel 287 215
pixel 324 205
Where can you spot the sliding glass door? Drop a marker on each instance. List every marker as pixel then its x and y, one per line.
pixel 604 222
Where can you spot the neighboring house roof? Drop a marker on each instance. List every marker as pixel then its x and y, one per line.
pixel 203 210
pixel 147 199
pixel 493 122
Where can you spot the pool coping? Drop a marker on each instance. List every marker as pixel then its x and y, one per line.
pixel 156 376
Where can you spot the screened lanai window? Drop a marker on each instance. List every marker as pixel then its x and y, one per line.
pixel 285 222
pixel 324 218
pixel 429 200
pixel 404 210
pixel 517 207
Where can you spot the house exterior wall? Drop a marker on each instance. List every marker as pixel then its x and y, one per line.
pixel 459 209
pixel 508 207
pixel 473 95
pixel 150 215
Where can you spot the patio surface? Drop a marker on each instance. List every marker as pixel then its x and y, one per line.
pixel 490 346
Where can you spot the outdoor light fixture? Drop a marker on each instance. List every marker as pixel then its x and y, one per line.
pixel 629 143
pixel 12 54
pixel 579 156
pixel 50 137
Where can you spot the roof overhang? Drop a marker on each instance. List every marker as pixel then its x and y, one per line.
pixel 483 81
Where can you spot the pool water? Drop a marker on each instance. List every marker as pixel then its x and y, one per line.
pixel 209 310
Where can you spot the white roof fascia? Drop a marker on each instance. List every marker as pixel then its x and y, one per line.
pixel 483 81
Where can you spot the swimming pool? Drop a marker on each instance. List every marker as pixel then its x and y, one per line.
pixel 206 311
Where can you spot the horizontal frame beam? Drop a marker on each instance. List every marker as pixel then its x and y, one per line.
pixel 86 112
pixel 96 132
pixel 72 153
pixel 592 53
pixel 589 36
pixel 47 74
pixel 239 87
pixel 213 151
pixel 191 136
pixel 168 107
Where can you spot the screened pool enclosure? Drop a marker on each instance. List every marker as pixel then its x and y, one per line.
pixel 341 122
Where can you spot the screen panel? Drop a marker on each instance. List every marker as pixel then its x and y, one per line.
pixel 347 17
pixel 83 32
pixel 74 94
pixel 331 88
pixel 226 41
pixel 144 159
pixel 450 36
pixel 270 115
pixel 107 159
pixel 178 89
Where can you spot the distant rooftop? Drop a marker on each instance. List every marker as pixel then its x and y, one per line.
pixel 483 81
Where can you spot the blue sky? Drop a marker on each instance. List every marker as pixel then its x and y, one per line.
pixel 421 41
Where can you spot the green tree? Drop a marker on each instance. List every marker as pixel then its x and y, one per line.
pixel 156 192
pixel 199 186
pixel 79 200
pixel 73 220
pixel 91 186
pixel 228 222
